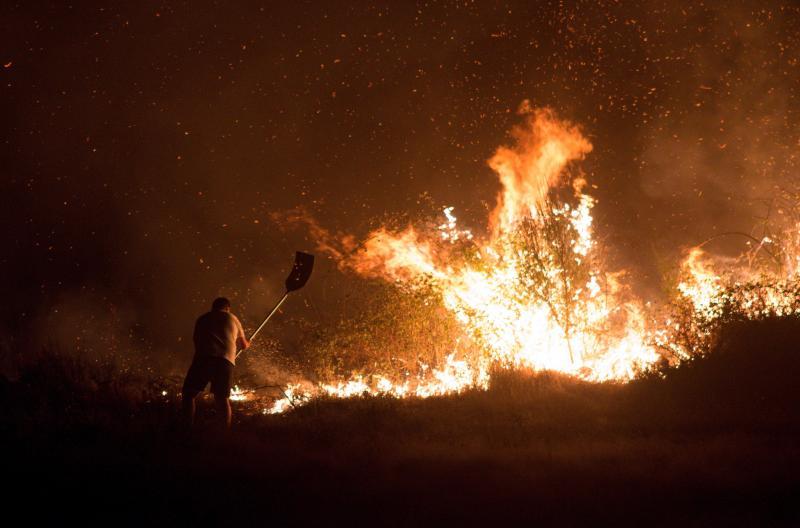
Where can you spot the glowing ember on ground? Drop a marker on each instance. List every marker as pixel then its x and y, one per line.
pixel 238 394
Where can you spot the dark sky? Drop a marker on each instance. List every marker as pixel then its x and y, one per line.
pixel 145 145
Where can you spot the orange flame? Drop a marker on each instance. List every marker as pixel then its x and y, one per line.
pixel 534 165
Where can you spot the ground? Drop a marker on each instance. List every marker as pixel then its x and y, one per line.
pixel 713 443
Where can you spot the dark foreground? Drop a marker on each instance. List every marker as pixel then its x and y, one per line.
pixel 716 443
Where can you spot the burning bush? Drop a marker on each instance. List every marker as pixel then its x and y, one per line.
pixel 396 330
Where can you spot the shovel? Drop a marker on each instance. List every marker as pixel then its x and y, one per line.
pixel 301 271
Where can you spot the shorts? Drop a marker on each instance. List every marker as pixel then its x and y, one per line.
pixel 207 369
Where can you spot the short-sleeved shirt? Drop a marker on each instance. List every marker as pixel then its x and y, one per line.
pixel 216 334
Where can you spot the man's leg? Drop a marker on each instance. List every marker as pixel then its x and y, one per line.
pixel 188 407
pixel 221 387
pixel 195 382
pixel 223 404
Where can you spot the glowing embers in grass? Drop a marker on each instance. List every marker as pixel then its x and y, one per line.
pixel 238 394
pixel 454 377
pixel 293 395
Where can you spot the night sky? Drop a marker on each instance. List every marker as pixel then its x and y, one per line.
pixel 146 146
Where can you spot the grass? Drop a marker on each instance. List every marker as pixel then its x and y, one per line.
pixel 714 442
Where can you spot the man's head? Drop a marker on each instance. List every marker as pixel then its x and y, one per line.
pixel 221 304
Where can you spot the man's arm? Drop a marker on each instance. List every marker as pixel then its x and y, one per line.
pixel 241 341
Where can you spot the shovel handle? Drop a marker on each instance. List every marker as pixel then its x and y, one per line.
pixel 275 309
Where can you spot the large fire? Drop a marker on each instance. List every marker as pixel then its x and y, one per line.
pixel 534 291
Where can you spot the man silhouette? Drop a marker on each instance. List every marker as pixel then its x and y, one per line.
pixel 217 335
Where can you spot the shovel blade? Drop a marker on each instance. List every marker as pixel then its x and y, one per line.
pixel 301 271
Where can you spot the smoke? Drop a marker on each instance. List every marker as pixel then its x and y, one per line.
pixel 96 329
pixel 722 155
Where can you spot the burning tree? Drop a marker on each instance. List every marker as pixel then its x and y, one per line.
pixel 556 265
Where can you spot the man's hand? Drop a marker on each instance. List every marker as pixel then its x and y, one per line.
pixel 243 343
